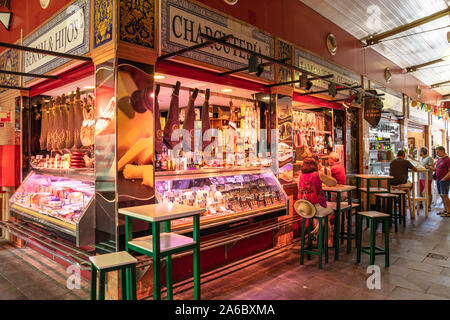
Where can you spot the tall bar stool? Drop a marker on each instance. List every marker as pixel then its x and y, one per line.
pixel 401 204
pixel 104 263
pixel 373 250
pixel 308 212
pixel 387 203
pixel 407 190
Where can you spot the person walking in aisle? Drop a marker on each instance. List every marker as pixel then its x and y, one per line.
pixel 428 162
pixel 443 179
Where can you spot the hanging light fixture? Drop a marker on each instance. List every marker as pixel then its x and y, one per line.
pixel 253 64
pixel 332 89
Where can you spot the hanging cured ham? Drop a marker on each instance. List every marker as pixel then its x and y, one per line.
pixel 70 122
pixel 205 119
pixel 77 121
pixel 44 127
pixel 173 118
pixel 158 131
pixel 51 125
pixel 64 118
pixel 57 124
pixel 189 121
pixel 87 132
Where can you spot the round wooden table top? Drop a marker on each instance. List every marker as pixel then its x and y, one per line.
pixel 373 176
pixel 339 188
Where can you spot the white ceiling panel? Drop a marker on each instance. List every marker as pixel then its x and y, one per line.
pixel 362 18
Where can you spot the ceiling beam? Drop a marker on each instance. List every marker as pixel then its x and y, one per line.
pixel 324 91
pixel 374 39
pixel 299 80
pixel 44 52
pixel 436 85
pixel 419 66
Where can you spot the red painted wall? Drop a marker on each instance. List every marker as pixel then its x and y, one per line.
pixel 28 15
pixel 9 166
pixel 297 23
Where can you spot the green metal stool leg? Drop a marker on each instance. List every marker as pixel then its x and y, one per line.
pixel 169 277
pixel 372 241
pixel 196 257
pixel 93 283
pixel 309 247
pixel 156 261
pixel 378 203
pixel 325 235
pixel 349 231
pixel 101 285
pixel 320 243
pixel 336 234
pixel 386 243
pixel 342 226
pixel 302 243
pixel 359 223
pixel 124 294
pixel 132 293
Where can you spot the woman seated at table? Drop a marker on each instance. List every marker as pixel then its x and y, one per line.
pixel 310 188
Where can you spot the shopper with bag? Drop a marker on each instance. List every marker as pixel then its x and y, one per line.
pixel 310 188
pixel 442 177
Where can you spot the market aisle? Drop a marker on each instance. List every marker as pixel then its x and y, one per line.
pixel 420 269
pixel 27 275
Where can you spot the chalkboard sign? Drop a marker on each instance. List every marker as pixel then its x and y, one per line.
pixel 372 111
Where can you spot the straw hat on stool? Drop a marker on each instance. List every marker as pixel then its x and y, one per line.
pixel 305 208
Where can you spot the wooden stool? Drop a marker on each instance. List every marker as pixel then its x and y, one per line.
pixel 322 241
pixel 401 204
pixel 373 217
pixel 387 203
pixel 122 261
pixel 408 191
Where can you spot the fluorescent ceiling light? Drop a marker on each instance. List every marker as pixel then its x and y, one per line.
pixel 226 90
pixel 89 87
pixel 158 77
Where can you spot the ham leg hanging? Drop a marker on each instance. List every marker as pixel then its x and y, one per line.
pixel 77 121
pixel 189 121
pixel 158 131
pixel 205 119
pixel 44 127
pixel 173 118
pixel 70 123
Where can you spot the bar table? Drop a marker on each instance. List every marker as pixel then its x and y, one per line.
pixel 160 245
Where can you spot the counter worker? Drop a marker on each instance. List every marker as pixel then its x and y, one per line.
pixel 399 170
pixel 443 179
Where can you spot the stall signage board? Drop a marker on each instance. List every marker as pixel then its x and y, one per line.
pixel 68 33
pixel 313 64
pixel 372 113
pixel 5 117
pixel 182 22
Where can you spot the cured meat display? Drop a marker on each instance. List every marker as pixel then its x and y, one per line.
pixel 44 127
pixel 310 133
pixel 70 122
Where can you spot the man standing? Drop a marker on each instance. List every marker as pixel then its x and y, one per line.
pixel 442 179
pixel 337 169
pixel 428 162
pixel 399 170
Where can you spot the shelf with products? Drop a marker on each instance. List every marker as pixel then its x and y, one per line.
pixel 59 200
pixel 226 194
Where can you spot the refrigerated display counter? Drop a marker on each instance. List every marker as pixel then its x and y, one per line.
pixel 59 201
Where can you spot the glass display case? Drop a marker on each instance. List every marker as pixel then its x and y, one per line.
pixel 227 195
pixel 384 142
pixel 58 200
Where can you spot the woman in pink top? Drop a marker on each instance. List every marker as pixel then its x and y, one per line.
pixel 310 188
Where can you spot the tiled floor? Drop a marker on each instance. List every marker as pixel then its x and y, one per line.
pixel 420 269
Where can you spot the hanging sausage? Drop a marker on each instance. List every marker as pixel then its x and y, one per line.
pixel 56 124
pixel 51 126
